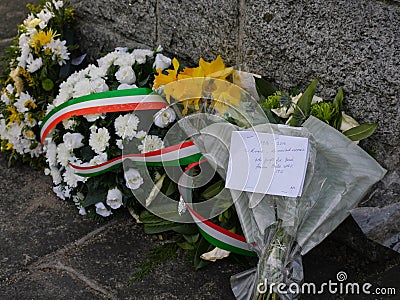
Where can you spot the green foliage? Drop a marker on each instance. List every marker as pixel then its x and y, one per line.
pixel 157 256
pixel 303 107
pixel 360 132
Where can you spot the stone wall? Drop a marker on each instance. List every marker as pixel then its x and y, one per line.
pixel 354 44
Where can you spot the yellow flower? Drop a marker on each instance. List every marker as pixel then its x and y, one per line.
pixel 41 38
pixel 193 85
pixel 29 134
pixel 31 104
pixel 9 146
pixel 14 115
pixel 18 83
pixel 32 23
pixel 225 95
pixel 215 68
pixel 162 79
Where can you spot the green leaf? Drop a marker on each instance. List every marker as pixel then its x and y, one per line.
pixel 203 247
pixel 272 118
pixel 192 238
pixel 156 228
pixel 337 102
pixel 264 88
pixel 186 246
pixel 187 229
pixel 213 189
pixel 96 193
pixel 303 107
pixel 360 132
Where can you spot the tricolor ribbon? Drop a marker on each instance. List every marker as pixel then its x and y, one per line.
pixel 176 155
pixel 214 234
pixel 185 153
pixel 104 102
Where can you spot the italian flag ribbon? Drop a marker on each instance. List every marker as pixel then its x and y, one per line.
pixel 185 153
pixel 104 102
pixel 176 155
pixel 214 234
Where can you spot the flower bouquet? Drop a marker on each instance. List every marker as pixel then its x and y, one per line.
pixel 278 228
pixel 99 110
pixel 38 61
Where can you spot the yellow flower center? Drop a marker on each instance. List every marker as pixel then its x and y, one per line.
pixel 41 38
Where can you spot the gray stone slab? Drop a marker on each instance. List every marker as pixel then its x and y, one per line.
pixel 12 12
pixel 33 222
pixel 111 259
pixel 194 29
pixel 106 24
pixel 350 44
pixel 45 285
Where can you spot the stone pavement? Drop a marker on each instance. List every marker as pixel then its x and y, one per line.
pixel 48 251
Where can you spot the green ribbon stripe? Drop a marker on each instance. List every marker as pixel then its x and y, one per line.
pixel 97 96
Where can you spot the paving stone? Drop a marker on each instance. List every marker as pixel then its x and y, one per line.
pixel 113 256
pixel 33 222
pixel 49 285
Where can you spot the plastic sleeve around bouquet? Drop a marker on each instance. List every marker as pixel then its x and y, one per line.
pixel 281 229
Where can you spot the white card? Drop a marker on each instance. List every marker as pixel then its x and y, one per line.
pixel 267 163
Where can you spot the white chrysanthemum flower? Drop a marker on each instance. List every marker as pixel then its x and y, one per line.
pixel 59 50
pixel 82 88
pixel 33 64
pixel 119 143
pixel 161 62
pixel 151 143
pixel 98 159
pixel 99 85
pixel 58 190
pixel 58 4
pixel 51 152
pixel 114 198
pixel 164 117
pixel 92 117
pixel 140 55
pixel 70 178
pixel 14 130
pixel 63 154
pixel 69 124
pixel 45 15
pixel 99 140
pixel 124 86
pixel 5 99
pixel 21 101
pixel 108 60
pixel 133 179
pixel 73 140
pixel 102 210
pixel 126 126
pixel 125 75
pixel 55 174
pixel 29 120
pixel 10 88
pixel 141 134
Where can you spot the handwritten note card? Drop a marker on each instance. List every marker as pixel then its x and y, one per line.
pixel 267 163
